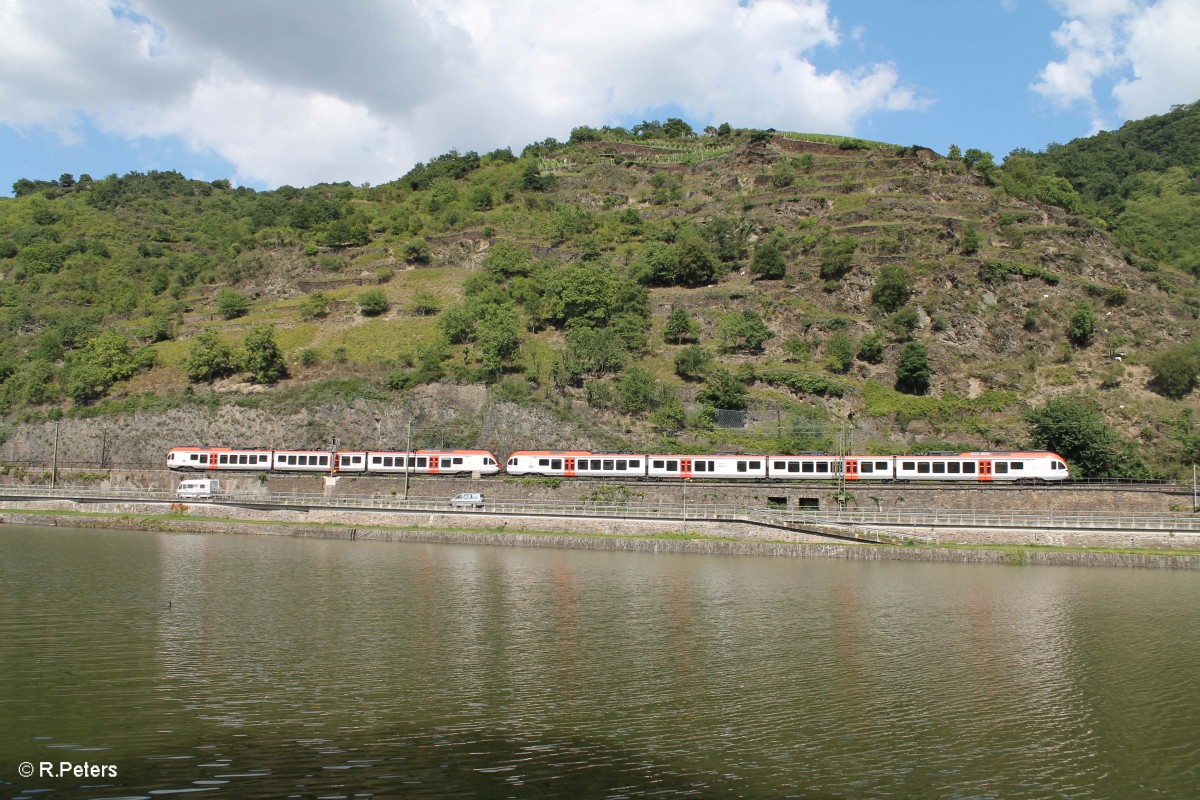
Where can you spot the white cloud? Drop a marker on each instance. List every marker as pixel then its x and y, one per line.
pixel 1146 51
pixel 303 92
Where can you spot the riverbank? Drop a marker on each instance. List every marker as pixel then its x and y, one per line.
pixel 613 535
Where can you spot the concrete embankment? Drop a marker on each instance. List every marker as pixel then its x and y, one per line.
pixel 577 533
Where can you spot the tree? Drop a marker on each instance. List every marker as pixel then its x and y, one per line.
pixel 636 390
pixel 262 357
pixel 954 153
pixel 373 302
pixel 680 327
pixel 506 259
pixel 499 333
pixel 209 358
pixel 893 286
pixel 1081 328
pixel 675 128
pixel 695 259
pixel 912 370
pixel 231 304
pixel 768 261
pixel 723 390
pixel 457 323
pixel 745 331
pixel 1074 428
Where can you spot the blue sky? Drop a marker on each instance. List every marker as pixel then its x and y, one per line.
pixel 301 91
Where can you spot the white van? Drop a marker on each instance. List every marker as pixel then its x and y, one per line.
pixel 467 500
pixel 198 488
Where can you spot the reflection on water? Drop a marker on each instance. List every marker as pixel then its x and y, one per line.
pixel 267 667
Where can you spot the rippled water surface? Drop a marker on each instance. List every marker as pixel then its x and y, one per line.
pixel 234 666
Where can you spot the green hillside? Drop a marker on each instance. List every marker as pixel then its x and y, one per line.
pixel 644 288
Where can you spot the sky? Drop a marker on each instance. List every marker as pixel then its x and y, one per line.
pixel 272 92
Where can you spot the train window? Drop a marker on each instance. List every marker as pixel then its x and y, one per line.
pixel 324 461
pixel 866 466
pixel 700 466
pixel 939 468
pixel 756 465
pixel 779 465
pixel 954 468
pixel 204 458
pixel 1017 465
pixel 969 467
pixel 658 463
pixel 422 462
pixel 1000 468
pixel 808 466
pixel 224 459
pixel 556 463
pixel 376 459
pixel 194 457
pixel 622 464
pixel 282 459
pixel 387 461
pixel 923 467
pixel 543 462
pixel 741 466
pixel 457 461
pixel 792 466
pixel 881 466
pixel 908 465
pixel 635 463
pixel 608 464
pixel 291 460
pixel 672 466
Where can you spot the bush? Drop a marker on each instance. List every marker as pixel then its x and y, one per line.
pixel 1081 328
pixel 1175 371
pixel 373 302
pixel 315 306
pixel 231 304
pixel 893 286
pixel 692 362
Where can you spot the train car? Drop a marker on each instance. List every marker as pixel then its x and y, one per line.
pixel 576 463
pixel 824 466
pixel 983 467
pixel 218 458
pixel 302 461
pixel 687 467
pixel 431 462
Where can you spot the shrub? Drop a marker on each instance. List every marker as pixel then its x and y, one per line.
pixel 1081 328
pixel 373 302
pixel 893 286
pixel 231 304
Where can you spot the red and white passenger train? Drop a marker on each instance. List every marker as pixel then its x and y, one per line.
pixel 980 467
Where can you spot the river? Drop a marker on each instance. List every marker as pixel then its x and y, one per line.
pixel 244 666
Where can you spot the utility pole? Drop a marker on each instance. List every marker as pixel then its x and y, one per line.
pixel 54 466
pixel 408 459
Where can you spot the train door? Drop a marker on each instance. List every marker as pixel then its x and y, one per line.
pixel 851 469
pixel 685 468
pixel 433 465
pixel 210 459
pixel 335 463
pixel 569 467
pixel 985 470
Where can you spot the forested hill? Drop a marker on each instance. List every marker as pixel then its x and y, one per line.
pixel 1142 180
pixel 734 289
